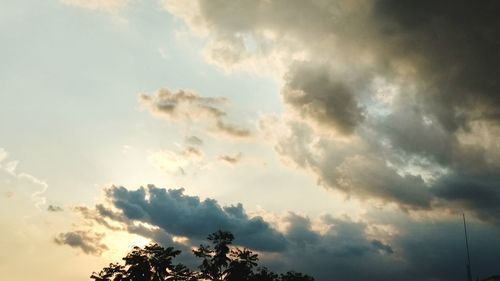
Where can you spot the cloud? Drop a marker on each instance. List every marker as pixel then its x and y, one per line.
pixel 451 48
pixel 231 130
pixel 13 182
pixel 448 50
pixel 478 193
pixel 417 249
pixel 397 101
pixel 187 107
pixel 182 215
pixel 435 250
pixel 99 215
pixel 194 140
pixel 54 208
pixel 385 245
pixel 230 159
pixel 352 167
pixel 88 242
pixel 315 94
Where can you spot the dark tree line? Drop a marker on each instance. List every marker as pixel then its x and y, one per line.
pixel 220 262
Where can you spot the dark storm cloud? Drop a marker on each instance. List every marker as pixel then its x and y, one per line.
pixel 421 250
pixel 183 215
pixel 87 241
pixel 435 249
pixel 314 93
pixel 454 45
pixel 479 193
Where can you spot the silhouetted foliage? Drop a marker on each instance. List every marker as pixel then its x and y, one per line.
pixel 153 263
pixel 220 262
pixel 295 276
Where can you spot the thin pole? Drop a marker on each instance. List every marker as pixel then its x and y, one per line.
pixel 469 274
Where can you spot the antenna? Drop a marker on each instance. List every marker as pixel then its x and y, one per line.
pixel 469 274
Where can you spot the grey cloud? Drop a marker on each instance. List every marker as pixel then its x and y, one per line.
pixel 443 56
pixel 171 212
pixel 194 140
pixel 54 208
pixel 306 19
pixel 315 94
pixel 358 171
pixel 299 231
pixel 421 250
pixel 448 49
pixel 231 130
pixel 192 151
pixel 471 181
pixel 184 215
pixel 410 249
pixel 478 193
pixel 231 159
pixel 453 45
pixel 382 247
pixel 182 105
pixel 342 252
pixel 373 178
pixel 435 250
pixel 410 131
pixel 99 216
pixel 87 241
pixel 185 106
pixel 459 177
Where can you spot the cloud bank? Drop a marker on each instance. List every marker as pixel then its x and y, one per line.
pixel 382 245
pixel 388 101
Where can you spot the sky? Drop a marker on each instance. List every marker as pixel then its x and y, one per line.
pixel 343 139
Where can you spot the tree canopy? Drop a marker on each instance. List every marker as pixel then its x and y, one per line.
pixel 219 262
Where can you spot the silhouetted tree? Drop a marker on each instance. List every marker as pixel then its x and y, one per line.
pixel 295 276
pixel 114 272
pixel 241 265
pixel 215 260
pixel 263 274
pixel 153 263
pixel 220 262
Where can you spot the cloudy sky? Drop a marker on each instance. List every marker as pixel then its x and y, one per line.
pixel 343 139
